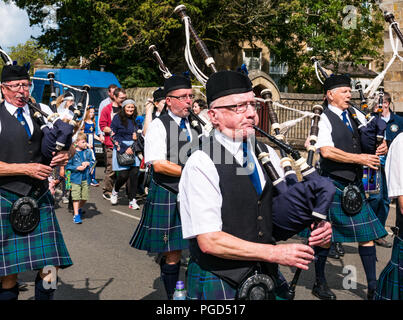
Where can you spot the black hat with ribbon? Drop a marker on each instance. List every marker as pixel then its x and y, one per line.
pixel 158 95
pixel 224 83
pixel 14 72
pixel 176 82
pixel 337 81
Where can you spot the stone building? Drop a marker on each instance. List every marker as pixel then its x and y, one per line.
pixel 393 81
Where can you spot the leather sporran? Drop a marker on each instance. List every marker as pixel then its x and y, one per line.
pixel 24 215
pixel 351 200
pixel 258 286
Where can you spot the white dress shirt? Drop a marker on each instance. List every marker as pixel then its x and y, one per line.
pixel 394 167
pixel 155 141
pixel 199 189
pixel 13 111
pixel 325 127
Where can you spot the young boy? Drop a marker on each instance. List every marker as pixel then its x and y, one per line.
pixel 80 165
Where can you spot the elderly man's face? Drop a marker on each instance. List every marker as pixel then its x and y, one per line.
pixel 339 97
pixel 228 121
pixel 13 91
pixel 179 101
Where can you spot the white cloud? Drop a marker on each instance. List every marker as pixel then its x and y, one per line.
pixel 14 26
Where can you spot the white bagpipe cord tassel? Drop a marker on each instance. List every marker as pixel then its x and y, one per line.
pixel 317 73
pixel 189 59
pixel 378 80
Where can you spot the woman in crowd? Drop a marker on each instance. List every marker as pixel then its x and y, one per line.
pixel 125 137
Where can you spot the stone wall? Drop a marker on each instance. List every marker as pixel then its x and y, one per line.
pixel 393 81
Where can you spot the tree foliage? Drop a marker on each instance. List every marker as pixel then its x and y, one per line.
pixel 28 52
pixel 117 33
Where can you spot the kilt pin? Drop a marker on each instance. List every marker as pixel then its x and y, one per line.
pixel 160 228
pixel 42 247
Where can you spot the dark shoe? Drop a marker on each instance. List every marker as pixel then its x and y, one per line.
pixel 339 248
pixel 322 291
pixel 333 253
pixel 383 243
pixel 370 294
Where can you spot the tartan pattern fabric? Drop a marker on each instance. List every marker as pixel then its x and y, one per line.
pixel 160 228
pixel 204 285
pixel 42 247
pixel 362 227
pixel 390 281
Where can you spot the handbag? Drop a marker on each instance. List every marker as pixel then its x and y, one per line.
pixel 125 159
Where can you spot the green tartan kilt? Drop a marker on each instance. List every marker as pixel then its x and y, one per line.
pixel 160 227
pixel 390 282
pixel 204 285
pixel 362 227
pixel 42 247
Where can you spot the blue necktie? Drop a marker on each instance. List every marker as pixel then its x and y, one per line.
pixel 248 160
pixel 182 125
pixel 345 120
pixel 23 121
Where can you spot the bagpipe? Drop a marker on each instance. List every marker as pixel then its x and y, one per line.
pixel 371 134
pixel 196 122
pixel 296 204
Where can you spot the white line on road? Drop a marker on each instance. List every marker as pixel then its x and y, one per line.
pixel 125 214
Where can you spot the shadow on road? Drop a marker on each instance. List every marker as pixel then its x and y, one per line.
pixel 66 291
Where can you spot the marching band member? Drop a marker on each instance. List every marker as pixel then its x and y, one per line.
pixel 166 143
pixel 31 238
pixel 379 201
pixel 341 160
pixel 390 282
pixel 227 214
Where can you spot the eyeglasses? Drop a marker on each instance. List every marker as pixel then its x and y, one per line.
pixel 241 107
pixel 16 87
pixel 184 98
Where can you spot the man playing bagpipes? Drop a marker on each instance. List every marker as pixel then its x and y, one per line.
pixel 340 143
pixel 31 238
pixel 226 201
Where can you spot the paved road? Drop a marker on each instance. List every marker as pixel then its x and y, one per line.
pixel 107 268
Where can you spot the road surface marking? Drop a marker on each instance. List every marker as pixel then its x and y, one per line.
pixel 125 214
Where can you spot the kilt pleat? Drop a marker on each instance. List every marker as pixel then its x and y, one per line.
pixel 42 247
pixel 204 285
pixel 363 227
pixel 160 228
pixel 390 281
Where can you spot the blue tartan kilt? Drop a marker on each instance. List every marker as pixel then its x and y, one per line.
pixel 42 247
pixel 160 227
pixel 362 227
pixel 204 285
pixel 390 281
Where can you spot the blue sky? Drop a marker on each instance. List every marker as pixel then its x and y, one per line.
pixel 14 26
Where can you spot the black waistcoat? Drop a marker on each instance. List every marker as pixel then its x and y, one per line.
pixel 178 149
pixel 16 147
pixel 244 215
pixel 347 141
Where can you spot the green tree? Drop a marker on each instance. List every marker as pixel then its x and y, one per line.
pixel 117 33
pixel 28 53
